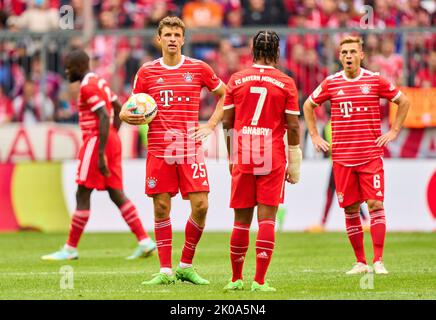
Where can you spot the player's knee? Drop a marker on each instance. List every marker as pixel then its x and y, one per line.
pixel 200 207
pixel 352 208
pixel 374 205
pixel 161 209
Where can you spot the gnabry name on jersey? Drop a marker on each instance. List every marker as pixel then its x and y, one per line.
pixel 256 131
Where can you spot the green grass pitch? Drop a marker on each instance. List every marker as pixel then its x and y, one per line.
pixel 304 266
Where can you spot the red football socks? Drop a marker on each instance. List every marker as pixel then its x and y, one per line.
pixel 164 241
pixel 378 232
pixel 78 223
pixel 264 248
pixel 193 234
pixel 355 234
pixel 130 215
pixel 239 242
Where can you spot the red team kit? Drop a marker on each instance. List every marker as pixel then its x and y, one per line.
pixel 177 89
pixel 356 124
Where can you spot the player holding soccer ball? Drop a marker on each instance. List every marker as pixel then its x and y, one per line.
pixel 175 157
pixel 357 144
pixel 99 157
pixel 260 103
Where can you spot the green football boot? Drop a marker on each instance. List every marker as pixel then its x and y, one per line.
pixel 262 287
pixel 160 278
pixel 238 285
pixel 190 275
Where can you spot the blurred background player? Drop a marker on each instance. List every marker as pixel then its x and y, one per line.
pixel 357 144
pixel 175 157
pixel 331 191
pixel 99 157
pixel 260 102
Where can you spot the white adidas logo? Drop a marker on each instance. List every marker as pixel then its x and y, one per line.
pixel 262 255
pixel 241 259
pixel 379 194
pixel 340 93
pixel 160 80
pixel 205 183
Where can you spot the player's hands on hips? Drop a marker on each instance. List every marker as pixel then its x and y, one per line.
pixel 295 157
pixel 383 140
pixel 102 165
pixel 128 116
pixel 320 144
pixel 200 132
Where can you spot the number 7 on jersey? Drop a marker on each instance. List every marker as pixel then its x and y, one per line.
pixel 262 91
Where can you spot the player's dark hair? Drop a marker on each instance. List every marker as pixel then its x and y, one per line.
pixel 266 46
pixel 78 56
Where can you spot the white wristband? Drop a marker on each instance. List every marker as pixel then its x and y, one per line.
pixel 295 157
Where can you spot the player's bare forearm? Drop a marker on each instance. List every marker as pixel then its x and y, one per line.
pixel 117 108
pixel 219 111
pixel 228 123
pixel 403 108
pixel 294 152
pixel 309 115
pixel 103 129
pixel 293 129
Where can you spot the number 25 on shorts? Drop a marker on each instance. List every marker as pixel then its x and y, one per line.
pixel 199 170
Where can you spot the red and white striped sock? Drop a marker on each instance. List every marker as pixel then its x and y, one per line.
pixel 378 232
pixel 130 215
pixel 264 248
pixel 164 242
pixel 78 222
pixel 239 242
pixel 193 234
pixel 355 234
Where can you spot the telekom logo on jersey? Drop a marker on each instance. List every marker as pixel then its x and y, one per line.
pixel 167 96
pixel 346 107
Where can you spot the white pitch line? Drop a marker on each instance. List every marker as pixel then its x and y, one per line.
pixel 75 273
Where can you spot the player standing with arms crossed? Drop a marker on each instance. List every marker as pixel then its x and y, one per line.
pixel 99 157
pixel 260 102
pixel 175 157
pixel 357 144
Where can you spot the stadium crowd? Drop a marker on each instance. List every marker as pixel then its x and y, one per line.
pixel 23 79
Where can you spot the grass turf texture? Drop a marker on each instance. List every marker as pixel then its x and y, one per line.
pixel 304 266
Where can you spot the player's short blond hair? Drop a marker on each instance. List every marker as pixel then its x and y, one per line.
pixel 171 22
pixel 352 39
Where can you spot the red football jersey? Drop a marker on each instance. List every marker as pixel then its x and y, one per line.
pixel 176 90
pixel 355 114
pixel 261 96
pixel 94 93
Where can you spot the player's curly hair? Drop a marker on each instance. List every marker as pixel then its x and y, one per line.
pixel 266 45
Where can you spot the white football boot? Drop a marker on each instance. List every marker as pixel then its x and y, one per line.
pixel 359 268
pixel 379 268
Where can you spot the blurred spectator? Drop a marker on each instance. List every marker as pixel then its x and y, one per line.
pixel 49 79
pixel 6 110
pixel 67 112
pixel 389 63
pixel 32 107
pixel 256 12
pixel 426 76
pixel 203 14
pixel 159 10
pixel 37 17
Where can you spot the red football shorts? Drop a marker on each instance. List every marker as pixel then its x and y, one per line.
pixel 89 175
pixel 165 177
pixel 248 189
pixel 359 183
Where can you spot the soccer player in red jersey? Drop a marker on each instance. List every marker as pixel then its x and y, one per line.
pixel 99 157
pixel 357 144
pixel 175 157
pixel 261 102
